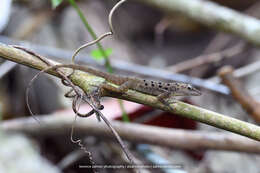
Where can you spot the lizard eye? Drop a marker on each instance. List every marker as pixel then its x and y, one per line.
pixel 189 87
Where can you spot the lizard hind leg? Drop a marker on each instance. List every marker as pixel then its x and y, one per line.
pixel 121 89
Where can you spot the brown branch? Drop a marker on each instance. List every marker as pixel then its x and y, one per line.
pixel 206 59
pixel 214 16
pixel 181 139
pixel 239 93
pixel 221 40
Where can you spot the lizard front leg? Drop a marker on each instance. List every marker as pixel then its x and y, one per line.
pixel 96 95
pixel 166 99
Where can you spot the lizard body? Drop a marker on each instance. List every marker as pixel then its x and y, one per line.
pixel 162 90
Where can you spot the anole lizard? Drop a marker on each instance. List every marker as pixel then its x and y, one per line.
pixel 163 91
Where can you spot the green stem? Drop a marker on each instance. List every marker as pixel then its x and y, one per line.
pixel 100 47
pixel 125 116
pixel 93 35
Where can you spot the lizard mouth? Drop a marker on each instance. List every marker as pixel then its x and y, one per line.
pixel 196 92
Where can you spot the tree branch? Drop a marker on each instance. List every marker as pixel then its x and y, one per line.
pixel 182 139
pixel 239 93
pixel 87 82
pixel 214 16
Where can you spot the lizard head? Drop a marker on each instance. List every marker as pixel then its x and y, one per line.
pixel 187 90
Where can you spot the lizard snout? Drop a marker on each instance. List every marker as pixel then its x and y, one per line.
pixel 196 92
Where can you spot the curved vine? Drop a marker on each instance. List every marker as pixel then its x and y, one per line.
pixel 111 32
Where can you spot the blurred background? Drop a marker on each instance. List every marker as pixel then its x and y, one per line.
pixel 148 42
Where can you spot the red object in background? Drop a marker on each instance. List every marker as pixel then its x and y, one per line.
pixel 170 120
pixel 163 119
pixel 144 115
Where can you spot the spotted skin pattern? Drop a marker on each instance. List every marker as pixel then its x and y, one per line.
pixel 162 90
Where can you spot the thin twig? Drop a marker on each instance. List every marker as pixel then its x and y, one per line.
pixel 206 59
pixel 137 133
pixel 93 35
pixel 97 40
pixel 241 72
pixel 118 138
pixel 239 93
pixel 79 142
